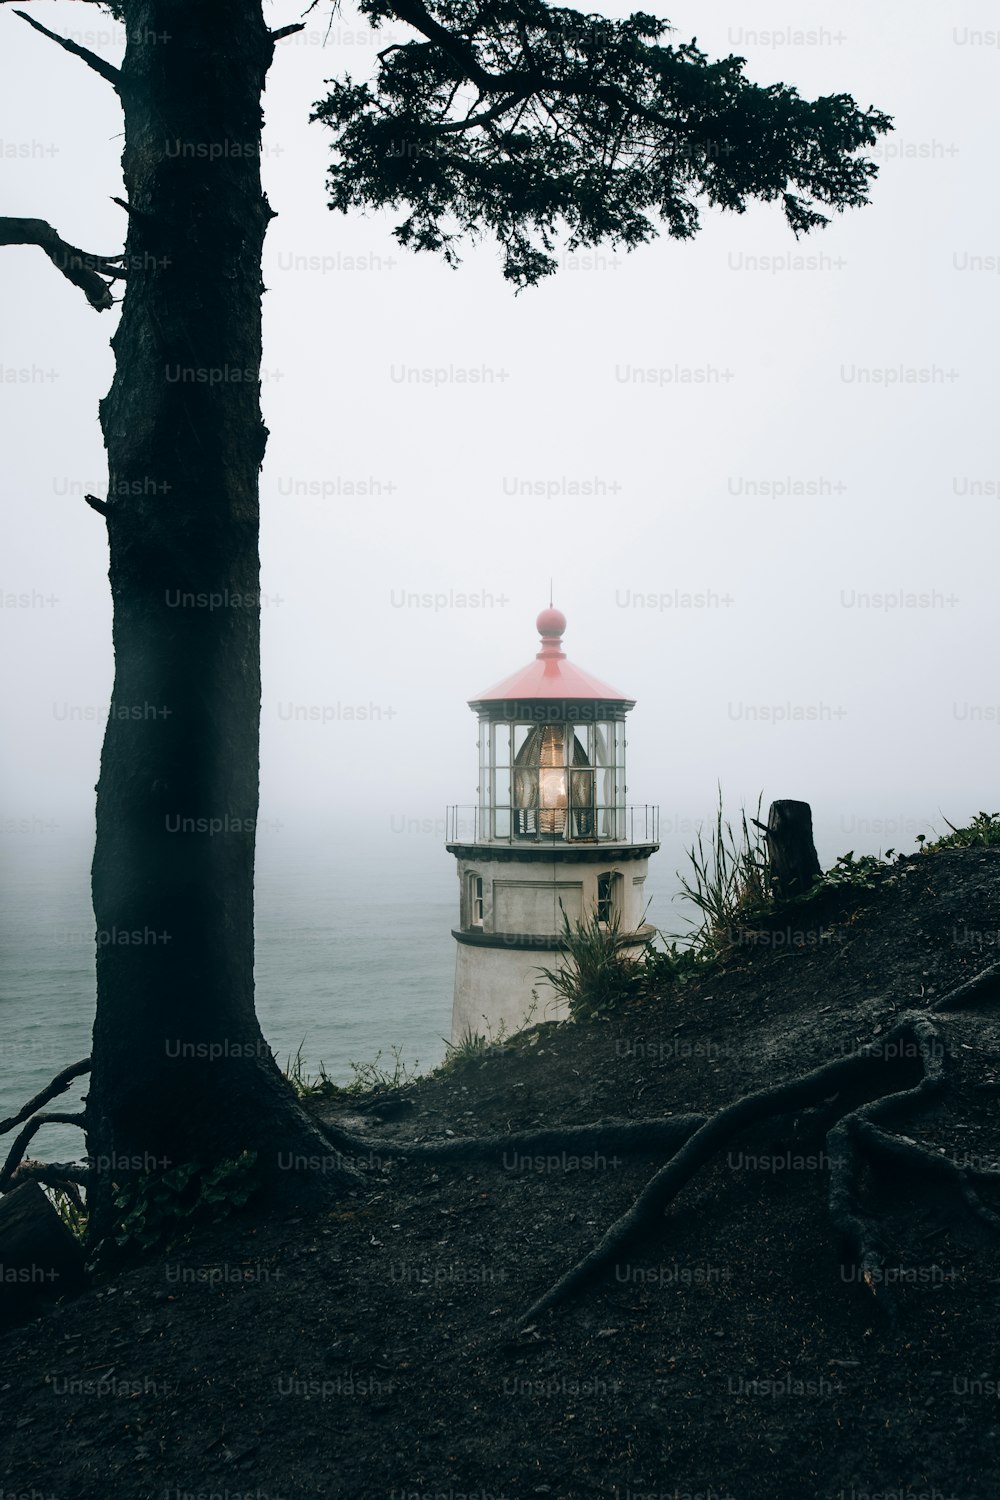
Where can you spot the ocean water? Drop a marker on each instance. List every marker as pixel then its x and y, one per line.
pixel 354 955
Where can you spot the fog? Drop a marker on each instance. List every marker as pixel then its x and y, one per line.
pixel 762 474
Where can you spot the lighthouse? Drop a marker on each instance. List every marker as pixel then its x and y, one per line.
pixel 552 833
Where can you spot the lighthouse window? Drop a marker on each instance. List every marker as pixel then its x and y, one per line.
pixel 475 901
pixel 582 787
pixel 605 898
pixel 540 783
pixel 605 759
pixel 562 783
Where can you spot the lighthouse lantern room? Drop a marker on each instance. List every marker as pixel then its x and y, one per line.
pixel 551 834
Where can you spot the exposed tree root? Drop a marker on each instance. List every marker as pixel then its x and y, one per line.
pixel 850 1143
pixel 895 1149
pixel 866 1069
pixel 848 1103
pixel 603 1135
pixel 860 1238
pixel 979 990
pixel 299 1185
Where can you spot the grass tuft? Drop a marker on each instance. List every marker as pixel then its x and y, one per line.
pixel 369 1077
pixel 601 974
pixel 729 882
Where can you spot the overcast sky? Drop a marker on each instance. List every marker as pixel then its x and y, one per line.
pixel 791 676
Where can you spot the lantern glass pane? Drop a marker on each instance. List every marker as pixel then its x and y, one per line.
pixel 501 744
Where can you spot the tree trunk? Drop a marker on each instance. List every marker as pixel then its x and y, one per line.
pixel 791 850
pixel 181 1071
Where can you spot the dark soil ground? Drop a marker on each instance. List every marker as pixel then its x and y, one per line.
pixel 371 1351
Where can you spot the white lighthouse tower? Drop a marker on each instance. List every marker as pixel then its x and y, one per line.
pixel 551 833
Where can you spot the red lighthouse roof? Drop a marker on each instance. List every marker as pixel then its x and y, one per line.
pixel 550 675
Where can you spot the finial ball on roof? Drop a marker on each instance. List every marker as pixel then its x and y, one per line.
pixel 551 622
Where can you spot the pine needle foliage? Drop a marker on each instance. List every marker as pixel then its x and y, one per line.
pixel 535 123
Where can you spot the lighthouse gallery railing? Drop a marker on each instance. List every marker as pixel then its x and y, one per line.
pixel 637 823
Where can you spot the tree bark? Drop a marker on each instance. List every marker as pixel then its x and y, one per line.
pixel 181 1071
pixel 791 850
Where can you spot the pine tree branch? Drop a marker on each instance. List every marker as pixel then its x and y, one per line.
pixel 16 1152
pixel 416 15
pixel 106 69
pixel 579 125
pixel 83 270
pixel 59 1085
pixel 53 1173
pixel 520 82
pixel 493 113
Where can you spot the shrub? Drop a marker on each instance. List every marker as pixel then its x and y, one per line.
pixel 982 833
pixel 158 1208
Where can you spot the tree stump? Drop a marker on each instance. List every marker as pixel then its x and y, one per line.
pixel 39 1257
pixel 791 851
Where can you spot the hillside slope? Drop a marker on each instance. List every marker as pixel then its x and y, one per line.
pixel 376 1351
